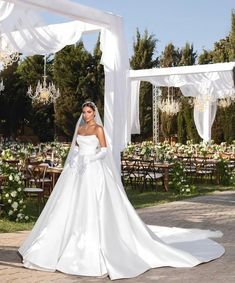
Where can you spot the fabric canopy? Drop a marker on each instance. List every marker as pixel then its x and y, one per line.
pixel 24 32
pixel 208 82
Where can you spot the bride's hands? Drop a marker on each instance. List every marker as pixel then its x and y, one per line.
pixel 84 161
pixel 74 160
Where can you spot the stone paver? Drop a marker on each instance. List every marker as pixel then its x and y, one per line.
pixel 215 212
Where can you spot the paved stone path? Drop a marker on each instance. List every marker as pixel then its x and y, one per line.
pixel 215 212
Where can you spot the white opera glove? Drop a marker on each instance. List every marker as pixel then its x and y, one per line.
pixel 74 159
pixel 91 158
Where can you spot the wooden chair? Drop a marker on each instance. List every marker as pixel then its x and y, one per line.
pixel 132 173
pixel 151 174
pixel 205 170
pixel 35 182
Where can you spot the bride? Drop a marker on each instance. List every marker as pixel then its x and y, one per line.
pixel 88 226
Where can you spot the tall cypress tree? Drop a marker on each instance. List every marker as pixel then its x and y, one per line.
pixel 98 77
pixel 170 57
pixel 185 121
pixel 144 47
pixel 224 51
pixel 232 38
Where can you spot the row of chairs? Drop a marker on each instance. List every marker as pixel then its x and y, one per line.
pixel 140 173
pixel 203 169
pixel 198 169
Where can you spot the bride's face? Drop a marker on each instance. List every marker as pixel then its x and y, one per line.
pixel 88 113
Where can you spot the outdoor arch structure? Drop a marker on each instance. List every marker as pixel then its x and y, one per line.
pixel 23 31
pixel 209 82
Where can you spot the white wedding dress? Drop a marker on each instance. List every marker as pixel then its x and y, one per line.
pixel 88 227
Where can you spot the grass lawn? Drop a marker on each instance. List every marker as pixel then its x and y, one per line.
pixel 138 200
pixel 152 198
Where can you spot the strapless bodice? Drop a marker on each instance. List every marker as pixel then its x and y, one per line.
pixel 87 144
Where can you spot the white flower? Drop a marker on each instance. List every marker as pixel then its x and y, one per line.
pixel 26 218
pixel 19 189
pixel 10 212
pixel 9 201
pixel 10 177
pixel 7 195
pixel 17 178
pixel 19 215
pixel 14 205
pixel 14 194
pixel 21 201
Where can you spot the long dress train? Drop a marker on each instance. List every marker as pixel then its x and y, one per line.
pixel 88 227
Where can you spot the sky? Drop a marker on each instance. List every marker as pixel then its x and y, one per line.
pixel 199 22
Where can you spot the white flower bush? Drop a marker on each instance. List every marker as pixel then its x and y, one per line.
pixel 13 197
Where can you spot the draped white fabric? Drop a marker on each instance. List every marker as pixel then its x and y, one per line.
pixel 23 34
pixel 135 123
pixel 5 10
pixel 204 119
pixel 210 82
pixel 46 39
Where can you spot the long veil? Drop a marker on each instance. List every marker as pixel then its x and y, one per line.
pixel 109 156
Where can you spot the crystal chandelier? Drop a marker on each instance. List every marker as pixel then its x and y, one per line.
pixel 169 105
pixel 227 101
pixel 224 102
pixel 7 55
pixel 8 58
pixel 44 94
pixel 2 87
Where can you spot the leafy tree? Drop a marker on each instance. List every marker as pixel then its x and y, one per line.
pixel 205 57
pixel 79 77
pixel 221 51
pixel 144 47
pixel 13 105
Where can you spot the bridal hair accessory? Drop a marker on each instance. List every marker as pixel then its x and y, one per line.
pixel 89 103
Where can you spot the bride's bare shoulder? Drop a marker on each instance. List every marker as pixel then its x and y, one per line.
pixel 80 130
pixel 99 129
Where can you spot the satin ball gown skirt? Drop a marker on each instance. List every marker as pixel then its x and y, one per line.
pixel 88 227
